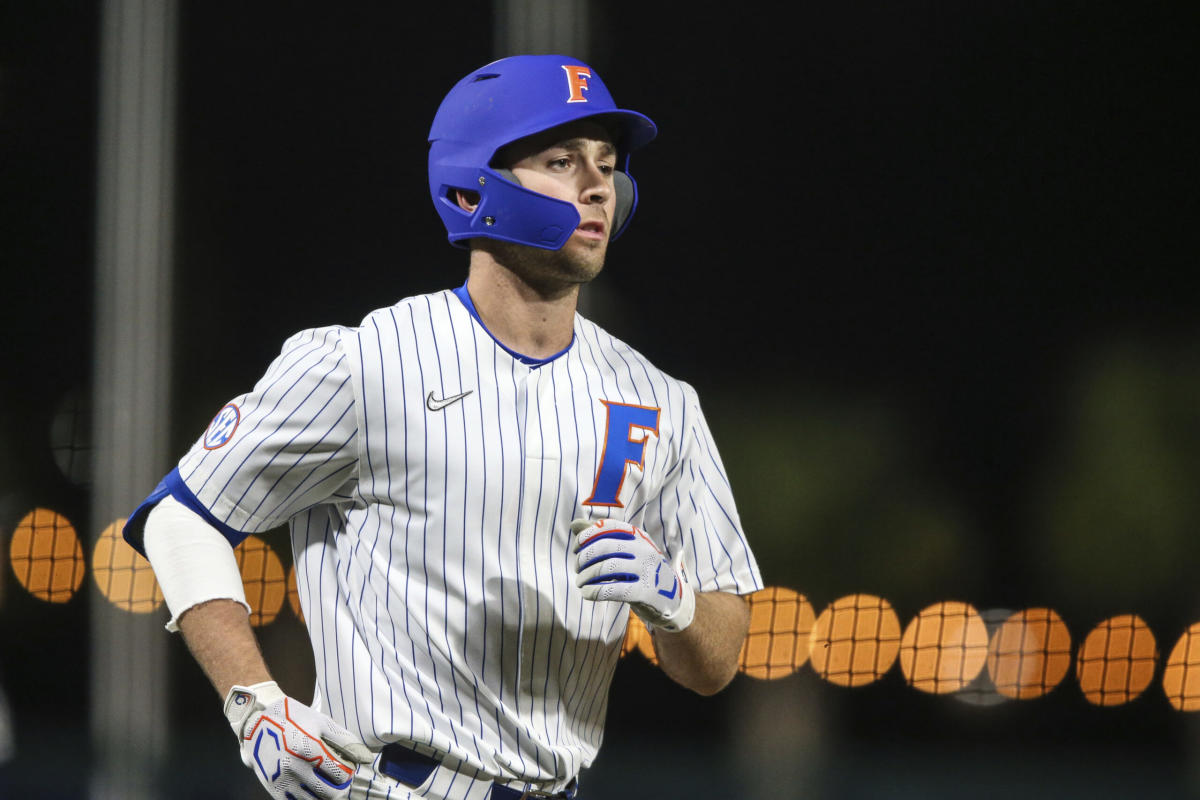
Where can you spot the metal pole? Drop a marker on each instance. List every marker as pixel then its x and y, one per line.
pixel 545 27
pixel 531 27
pixel 130 384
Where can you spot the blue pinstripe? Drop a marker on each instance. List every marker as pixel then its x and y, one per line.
pixel 465 460
pixel 424 554
pixel 395 508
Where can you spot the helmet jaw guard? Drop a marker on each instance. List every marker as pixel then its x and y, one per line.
pixel 506 211
pixel 499 104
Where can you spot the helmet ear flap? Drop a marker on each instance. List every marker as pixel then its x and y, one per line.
pixel 626 198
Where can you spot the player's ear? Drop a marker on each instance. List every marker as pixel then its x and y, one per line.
pixel 467 201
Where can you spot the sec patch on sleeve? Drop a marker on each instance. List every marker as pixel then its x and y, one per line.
pixel 222 427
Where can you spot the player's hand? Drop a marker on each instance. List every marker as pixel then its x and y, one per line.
pixel 296 753
pixel 617 562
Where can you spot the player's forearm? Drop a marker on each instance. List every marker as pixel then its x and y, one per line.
pixel 202 585
pixel 220 637
pixel 704 656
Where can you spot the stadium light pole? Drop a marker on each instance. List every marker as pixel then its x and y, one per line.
pixel 133 265
pixel 542 27
pixel 546 27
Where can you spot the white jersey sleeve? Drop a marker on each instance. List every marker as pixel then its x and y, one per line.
pixel 696 508
pixel 287 445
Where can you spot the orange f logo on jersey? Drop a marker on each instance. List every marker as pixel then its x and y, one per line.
pixel 577 82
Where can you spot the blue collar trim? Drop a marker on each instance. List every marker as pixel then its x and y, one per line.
pixel 465 297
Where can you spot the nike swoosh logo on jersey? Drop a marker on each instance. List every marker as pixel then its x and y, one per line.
pixel 437 404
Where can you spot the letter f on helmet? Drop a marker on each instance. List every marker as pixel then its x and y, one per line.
pixel 577 81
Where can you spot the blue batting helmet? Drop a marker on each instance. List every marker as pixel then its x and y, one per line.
pixel 499 104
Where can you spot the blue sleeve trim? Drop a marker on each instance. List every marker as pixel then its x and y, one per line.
pixel 136 523
pixel 174 486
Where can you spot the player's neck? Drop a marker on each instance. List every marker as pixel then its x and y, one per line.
pixel 534 321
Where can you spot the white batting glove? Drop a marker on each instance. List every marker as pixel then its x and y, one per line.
pixel 296 753
pixel 618 562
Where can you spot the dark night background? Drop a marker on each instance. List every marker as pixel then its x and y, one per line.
pixel 929 265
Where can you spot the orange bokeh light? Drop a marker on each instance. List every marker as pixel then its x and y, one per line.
pixel 263 578
pixel 638 638
pixel 122 575
pixel 1030 654
pixel 855 640
pixel 293 594
pixel 1181 677
pixel 1116 661
pixel 781 622
pixel 632 635
pixel 46 556
pixel 944 647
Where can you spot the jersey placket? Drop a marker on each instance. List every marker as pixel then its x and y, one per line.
pixel 540 587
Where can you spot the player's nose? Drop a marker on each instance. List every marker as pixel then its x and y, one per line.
pixel 595 185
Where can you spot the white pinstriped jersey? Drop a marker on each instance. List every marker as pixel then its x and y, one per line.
pixel 429 477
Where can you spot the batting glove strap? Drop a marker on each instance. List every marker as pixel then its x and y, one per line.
pixel 294 751
pixel 674 621
pixel 617 562
pixel 244 701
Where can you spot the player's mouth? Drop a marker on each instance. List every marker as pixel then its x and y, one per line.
pixel 593 230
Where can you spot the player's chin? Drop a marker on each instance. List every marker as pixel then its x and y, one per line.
pixel 585 257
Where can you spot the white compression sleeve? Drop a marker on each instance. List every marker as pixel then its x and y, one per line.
pixel 192 561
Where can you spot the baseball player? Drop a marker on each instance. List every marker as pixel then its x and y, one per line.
pixel 479 484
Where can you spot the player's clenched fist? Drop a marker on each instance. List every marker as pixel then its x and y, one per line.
pixel 296 752
pixel 618 562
